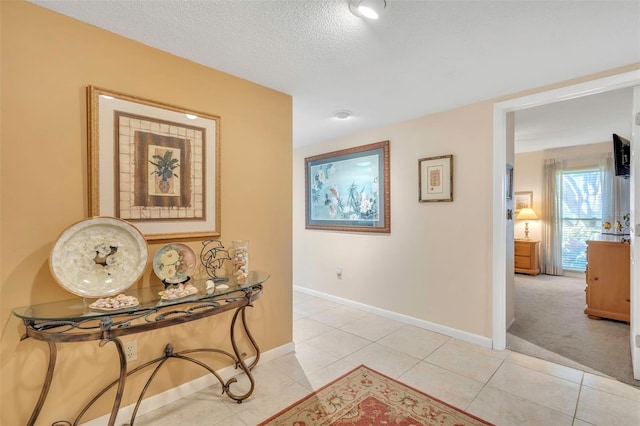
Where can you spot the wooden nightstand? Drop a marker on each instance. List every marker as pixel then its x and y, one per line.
pixel 526 257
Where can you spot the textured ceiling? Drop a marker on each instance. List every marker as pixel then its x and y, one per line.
pixel 421 57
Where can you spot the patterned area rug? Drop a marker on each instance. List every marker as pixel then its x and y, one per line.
pixel 364 397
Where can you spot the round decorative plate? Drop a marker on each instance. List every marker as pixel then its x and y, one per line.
pixel 98 257
pixel 174 263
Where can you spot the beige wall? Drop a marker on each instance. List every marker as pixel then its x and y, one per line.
pixel 435 266
pixel 528 175
pixel 47 62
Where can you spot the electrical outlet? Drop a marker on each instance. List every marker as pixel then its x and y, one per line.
pixel 131 350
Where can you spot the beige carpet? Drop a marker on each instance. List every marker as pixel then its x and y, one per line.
pixel 551 324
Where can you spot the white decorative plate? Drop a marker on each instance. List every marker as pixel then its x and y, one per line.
pixel 99 257
pixel 174 263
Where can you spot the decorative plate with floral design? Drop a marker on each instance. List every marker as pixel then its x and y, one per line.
pixel 174 263
pixel 98 257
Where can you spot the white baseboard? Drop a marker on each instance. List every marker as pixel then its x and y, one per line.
pixel 438 328
pixel 186 389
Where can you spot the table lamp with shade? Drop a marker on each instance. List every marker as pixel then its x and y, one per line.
pixel 526 214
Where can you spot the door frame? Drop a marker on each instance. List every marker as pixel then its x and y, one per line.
pixel 500 111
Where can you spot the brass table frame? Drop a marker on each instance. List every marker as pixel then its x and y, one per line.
pixel 109 327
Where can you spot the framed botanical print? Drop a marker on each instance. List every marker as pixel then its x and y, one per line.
pixel 154 165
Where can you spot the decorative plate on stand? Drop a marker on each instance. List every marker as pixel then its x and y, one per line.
pixel 174 263
pixel 98 257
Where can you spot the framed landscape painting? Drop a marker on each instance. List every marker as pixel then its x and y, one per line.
pixel 348 190
pixel 154 165
pixel 523 200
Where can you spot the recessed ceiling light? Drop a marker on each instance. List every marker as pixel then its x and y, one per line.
pixel 191 116
pixel 342 115
pixel 371 9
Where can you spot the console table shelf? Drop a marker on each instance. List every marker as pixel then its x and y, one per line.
pixel 74 321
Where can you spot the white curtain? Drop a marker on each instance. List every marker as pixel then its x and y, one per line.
pixel 615 193
pixel 551 249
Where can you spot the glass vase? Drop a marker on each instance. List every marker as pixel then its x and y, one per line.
pixel 240 260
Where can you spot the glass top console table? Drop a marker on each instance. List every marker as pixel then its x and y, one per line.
pixel 74 321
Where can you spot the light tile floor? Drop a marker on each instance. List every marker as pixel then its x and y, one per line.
pixel 503 387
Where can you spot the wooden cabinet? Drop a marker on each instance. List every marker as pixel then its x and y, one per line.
pixel 526 257
pixel 608 270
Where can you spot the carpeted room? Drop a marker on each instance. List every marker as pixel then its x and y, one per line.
pixel 550 321
pixel 551 324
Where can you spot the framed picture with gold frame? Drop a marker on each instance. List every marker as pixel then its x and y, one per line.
pixel 154 165
pixel 435 182
pixel 523 200
pixel 349 190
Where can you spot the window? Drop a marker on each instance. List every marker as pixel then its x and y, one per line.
pixel 581 214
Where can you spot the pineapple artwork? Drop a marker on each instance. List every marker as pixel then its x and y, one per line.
pixel 164 166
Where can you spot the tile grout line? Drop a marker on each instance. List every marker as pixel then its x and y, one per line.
pixel 575 411
pixel 485 384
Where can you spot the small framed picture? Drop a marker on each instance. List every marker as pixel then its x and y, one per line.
pixel 509 183
pixel 523 200
pixel 435 181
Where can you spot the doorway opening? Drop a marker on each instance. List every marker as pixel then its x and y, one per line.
pixel 500 221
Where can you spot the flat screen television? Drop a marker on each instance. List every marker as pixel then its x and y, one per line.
pixel 621 155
